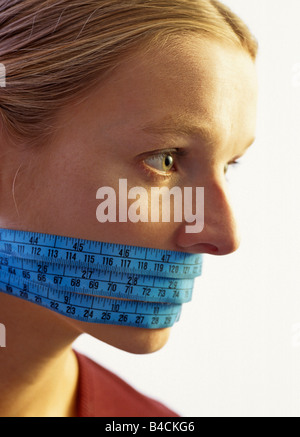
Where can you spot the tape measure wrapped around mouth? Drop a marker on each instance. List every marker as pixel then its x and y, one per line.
pixel 98 282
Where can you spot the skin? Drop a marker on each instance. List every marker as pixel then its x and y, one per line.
pixel 99 140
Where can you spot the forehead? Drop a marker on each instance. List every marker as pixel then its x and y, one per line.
pixel 192 82
pixel 196 79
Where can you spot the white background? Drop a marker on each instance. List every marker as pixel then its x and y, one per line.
pixel 236 350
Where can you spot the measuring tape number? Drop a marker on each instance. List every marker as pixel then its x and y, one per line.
pixel 98 282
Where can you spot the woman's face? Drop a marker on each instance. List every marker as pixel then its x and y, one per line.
pixel 198 97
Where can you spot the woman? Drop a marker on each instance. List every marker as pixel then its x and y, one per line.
pixel 157 93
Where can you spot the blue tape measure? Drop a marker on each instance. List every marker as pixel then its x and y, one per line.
pixel 98 282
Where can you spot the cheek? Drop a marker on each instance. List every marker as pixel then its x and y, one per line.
pixel 54 193
pixel 59 197
pixel 155 235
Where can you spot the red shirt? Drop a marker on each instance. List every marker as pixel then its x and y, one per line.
pixel 103 394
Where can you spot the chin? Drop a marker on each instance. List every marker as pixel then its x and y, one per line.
pixel 129 339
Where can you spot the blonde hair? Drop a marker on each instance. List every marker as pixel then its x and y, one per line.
pixel 55 50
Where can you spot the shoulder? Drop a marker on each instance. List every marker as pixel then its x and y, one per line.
pixel 103 394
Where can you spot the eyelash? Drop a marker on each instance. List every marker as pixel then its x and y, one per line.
pixel 233 163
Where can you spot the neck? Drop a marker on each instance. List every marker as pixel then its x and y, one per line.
pixel 38 369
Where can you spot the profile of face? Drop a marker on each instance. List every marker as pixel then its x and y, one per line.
pixel 178 116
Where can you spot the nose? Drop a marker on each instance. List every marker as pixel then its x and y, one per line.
pixel 220 234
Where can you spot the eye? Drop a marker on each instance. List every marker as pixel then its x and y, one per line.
pixel 161 162
pixel 230 165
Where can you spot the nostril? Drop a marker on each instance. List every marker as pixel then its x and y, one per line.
pixel 210 248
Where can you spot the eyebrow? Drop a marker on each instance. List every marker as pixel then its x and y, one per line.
pixel 185 127
pixel 169 125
